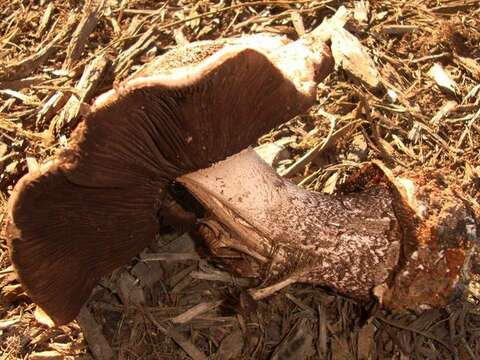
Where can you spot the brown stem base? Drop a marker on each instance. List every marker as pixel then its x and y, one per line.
pixel 403 240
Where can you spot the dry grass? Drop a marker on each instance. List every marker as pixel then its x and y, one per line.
pixel 47 46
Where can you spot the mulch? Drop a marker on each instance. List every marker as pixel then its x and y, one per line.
pixel 171 303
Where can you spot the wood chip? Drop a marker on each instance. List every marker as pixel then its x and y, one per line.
pixel 45 21
pixel 181 340
pixel 469 64
pixel 449 106
pixel 171 256
pixel 348 52
pixel 443 79
pixel 297 345
pixel 43 318
pixel 46 355
pixel 129 290
pixel 51 107
pixel 272 153
pixel 298 23
pixel 195 311
pixel 362 12
pixel 93 335
pixel 322 331
pixel 5 324
pixel 352 56
pixel 87 24
pixel 365 341
pixel 86 87
pixel 231 346
pixel 28 65
pixel 398 29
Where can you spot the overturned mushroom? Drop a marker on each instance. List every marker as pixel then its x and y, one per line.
pixel 96 205
pixel 405 240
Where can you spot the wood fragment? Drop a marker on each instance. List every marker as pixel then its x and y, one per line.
pixel 43 318
pixel 365 341
pixel 170 256
pixel 85 27
pixel 179 36
pixel 262 293
pixel 298 23
pixel 362 12
pixel 222 277
pixel 322 331
pixel 351 55
pixel 452 7
pixel 123 63
pixel 320 148
pixel 443 79
pixel 347 50
pixel 448 107
pixel 32 164
pixel 195 311
pixel 46 355
pixel 27 100
pixel 86 87
pixel 5 324
pixel 469 64
pixel 297 345
pixel 93 335
pixel 128 289
pixel 45 21
pixel 272 153
pixel 396 29
pixel 28 65
pixel 50 108
pixel 180 339
pixel 231 346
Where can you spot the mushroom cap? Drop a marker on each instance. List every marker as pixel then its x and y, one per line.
pixel 95 205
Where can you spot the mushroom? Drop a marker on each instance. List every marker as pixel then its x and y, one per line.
pixel 100 202
pixel 404 239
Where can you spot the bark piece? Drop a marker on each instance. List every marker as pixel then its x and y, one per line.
pixel 129 290
pixel 469 64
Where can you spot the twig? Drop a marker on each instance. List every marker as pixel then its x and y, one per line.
pixel 258 294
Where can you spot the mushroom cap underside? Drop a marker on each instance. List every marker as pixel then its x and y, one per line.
pixel 95 206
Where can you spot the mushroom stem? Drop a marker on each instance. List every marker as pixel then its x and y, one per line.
pixel 375 237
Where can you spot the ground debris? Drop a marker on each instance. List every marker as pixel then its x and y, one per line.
pixel 57 55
